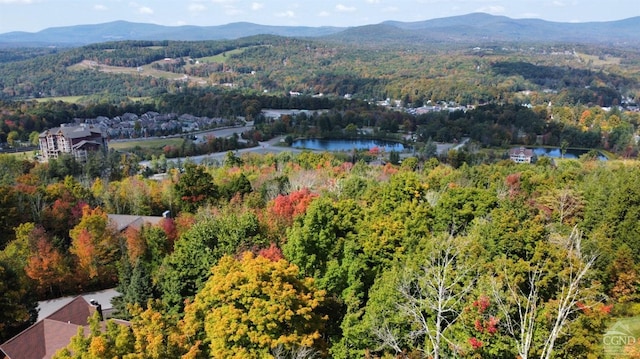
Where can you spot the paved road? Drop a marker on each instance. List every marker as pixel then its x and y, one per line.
pixel 262 148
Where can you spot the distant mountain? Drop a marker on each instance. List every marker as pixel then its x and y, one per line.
pixel 484 27
pixel 122 30
pixel 476 27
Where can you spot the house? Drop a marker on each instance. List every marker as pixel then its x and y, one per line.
pixel 54 332
pixel 521 155
pixel 76 140
pixel 124 221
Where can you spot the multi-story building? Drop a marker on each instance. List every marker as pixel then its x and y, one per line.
pixel 77 140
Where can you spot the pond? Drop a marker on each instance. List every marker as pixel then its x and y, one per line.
pixel 347 145
pixel 571 153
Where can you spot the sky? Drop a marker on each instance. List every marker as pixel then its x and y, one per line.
pixel 36 15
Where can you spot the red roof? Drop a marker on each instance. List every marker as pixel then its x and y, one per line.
pixel 47 336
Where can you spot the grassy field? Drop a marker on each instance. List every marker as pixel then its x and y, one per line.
pixel 28 155
pixel 68 99
pixel 146 70
pixel 222 58
pixel 142 143
pixel 599 61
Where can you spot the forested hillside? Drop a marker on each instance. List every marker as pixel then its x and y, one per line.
pixel 524 73
pixel 269 255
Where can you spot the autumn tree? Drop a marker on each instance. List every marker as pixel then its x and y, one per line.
pixel 17 307
pixel 184 272
pixel 252 305
pixel 95 245
pixel 47 267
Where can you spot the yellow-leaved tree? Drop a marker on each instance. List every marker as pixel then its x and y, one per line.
pixel 254 307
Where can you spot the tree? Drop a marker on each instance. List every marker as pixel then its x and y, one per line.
pixel 184 272
pixel 251 306
pixel 538 298
pixel 47 266
pixel 17 307
pixel 96 246
pixel 195 188
pixel 433 296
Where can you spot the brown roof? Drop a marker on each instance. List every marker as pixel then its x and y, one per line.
pixel 76 312
pixel 521 151
pixel 47 336
pixel 124 221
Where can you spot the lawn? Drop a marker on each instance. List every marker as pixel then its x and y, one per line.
pixel 144 143
pixel 68 99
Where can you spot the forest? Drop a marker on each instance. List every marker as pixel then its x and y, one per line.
pixel 303 254
pixel 314 255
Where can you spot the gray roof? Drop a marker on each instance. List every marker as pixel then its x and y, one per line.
pixel 73 131
pixel 123 221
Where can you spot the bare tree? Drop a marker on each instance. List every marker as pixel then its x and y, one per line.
pixel 433 296
pixel 297 352
pixel 519 299
pixel 572 289
pixel 521 325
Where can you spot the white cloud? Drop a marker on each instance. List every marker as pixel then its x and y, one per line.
pixel 287 13
pixel 100 7
pixel 145 10
pixel 16 1
pixel 390 9
pixel 324 14
pixel 344 8
pixel 256 6
pixel 493 9
pixel 196 8
pixel 223 1
pixel 373 1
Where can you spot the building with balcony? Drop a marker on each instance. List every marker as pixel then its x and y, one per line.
pixel 76 140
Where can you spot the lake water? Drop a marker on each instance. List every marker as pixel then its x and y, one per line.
pixel 556 153
pixel 347 145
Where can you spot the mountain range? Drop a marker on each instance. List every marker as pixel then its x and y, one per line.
pixel 475 27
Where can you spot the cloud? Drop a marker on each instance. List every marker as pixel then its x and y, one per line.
pixel 16 1
pixel 493 9
pixel 145 10
pixel 390 9
pixel 324 14
pixel 344 8
pixel 373 1
pixel 196 7
pixel 100 7
pixel 256 6
pixel 287 13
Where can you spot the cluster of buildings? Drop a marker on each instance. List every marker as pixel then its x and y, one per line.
pixel 83 136
pixel 130 125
